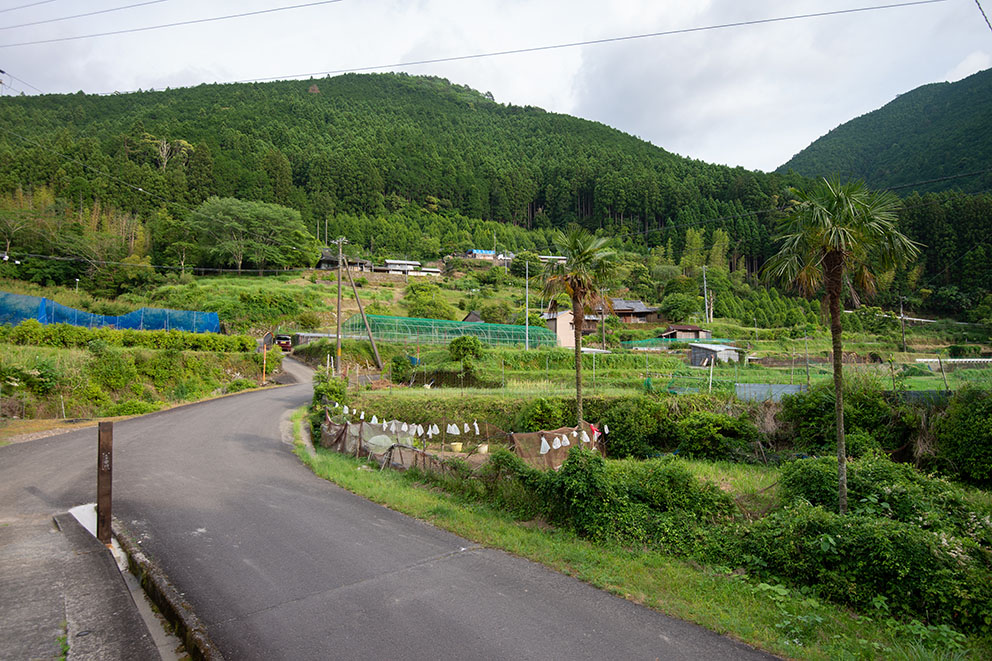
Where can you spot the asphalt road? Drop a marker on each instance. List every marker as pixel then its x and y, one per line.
pixel 280 564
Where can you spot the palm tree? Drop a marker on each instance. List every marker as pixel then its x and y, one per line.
pixel 588 262
pixel 837 232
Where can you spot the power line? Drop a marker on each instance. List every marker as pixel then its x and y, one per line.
pixel 60 258
pixel 592 42
pixel 90 13
pixel 190 22
pixel 30 4
pixel 983 14
pixel 23 82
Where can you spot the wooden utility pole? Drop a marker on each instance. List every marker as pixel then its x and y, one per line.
pixel 337 362
pixel 104 480
pixel 361 310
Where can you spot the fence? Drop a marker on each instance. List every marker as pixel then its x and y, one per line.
pixel 15 308
pixel 441 331
pixel 409 445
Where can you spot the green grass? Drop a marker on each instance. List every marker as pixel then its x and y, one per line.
pixel 764 616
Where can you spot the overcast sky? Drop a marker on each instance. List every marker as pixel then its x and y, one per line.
pixel 750 96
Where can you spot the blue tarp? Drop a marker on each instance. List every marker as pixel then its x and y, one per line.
pixel 15 308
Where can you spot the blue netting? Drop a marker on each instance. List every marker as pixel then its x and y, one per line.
pixel 15 308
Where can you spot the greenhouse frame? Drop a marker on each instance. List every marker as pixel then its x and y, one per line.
pixel 411 330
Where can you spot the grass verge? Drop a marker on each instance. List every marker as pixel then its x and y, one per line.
pixel 774 618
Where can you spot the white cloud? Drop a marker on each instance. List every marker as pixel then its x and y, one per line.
pixel 973 63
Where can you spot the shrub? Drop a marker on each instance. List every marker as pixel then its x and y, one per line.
pixel 114 369
pixel 240 384
pixel 543 413
pixel 964 435
pixel 708 435
pixel 853 559
pixel 634 427
pixel 964 350
pixel 812 417
pixel 327 386
pixel 308 320
pixel 400 369
pixel 466 346
pixel 581 496
pixel 130 407
pixel 666 485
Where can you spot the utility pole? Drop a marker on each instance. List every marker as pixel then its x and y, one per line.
pixel 806 343
pixel 526 306
pixel 902 319
pixel 706 298
pixel 337 363
pixel 602 317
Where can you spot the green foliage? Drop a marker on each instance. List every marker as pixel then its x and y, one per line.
pixel 853 559
pixel 964 350
pixel 33 333
pixel 581 496
pixel 424 300
pixel 466 346
pixel 892 146
pixel 239 385
pixel 328 387
pixel 679 307
pixel 811 415
pixel 131 407
pixel 543 413
pixel 114 369
pixel 964 436
pixel 708 435
pixel 400 369
pixel 635 424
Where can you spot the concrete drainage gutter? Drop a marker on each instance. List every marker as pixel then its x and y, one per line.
pixel 176 610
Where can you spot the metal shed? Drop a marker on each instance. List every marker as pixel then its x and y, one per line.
pixel 703 354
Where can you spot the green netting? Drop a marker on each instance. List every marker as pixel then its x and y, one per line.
pixel 440 331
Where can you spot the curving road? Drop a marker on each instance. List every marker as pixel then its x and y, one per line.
pixel 280 564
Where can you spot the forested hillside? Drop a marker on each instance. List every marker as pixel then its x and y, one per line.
pixel 934 131
pixel 366 144
pixel 258 176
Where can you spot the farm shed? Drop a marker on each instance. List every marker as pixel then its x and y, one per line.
pixel 703 354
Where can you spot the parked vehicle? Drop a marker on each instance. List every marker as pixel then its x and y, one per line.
pixel 284 342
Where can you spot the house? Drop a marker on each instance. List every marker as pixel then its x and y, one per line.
pixel 686 332
pixel 401 266
pixel 560 323
pixel 476 253
pixel 702 355
pixel 633 312
pixel 551 258
pixel 473 317
pixel 329 261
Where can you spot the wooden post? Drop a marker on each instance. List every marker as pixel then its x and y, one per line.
pixel 104 480
pixel 941 363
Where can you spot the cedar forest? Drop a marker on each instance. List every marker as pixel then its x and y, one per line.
pixel 260 176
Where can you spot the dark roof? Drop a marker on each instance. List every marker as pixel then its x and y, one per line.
pixel 474 316
pixel 631 305
pixel 684 327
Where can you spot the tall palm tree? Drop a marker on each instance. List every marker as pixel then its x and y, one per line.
pixel 837 231
pixel 588 263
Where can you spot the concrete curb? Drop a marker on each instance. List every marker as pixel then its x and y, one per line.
pixel 164 595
